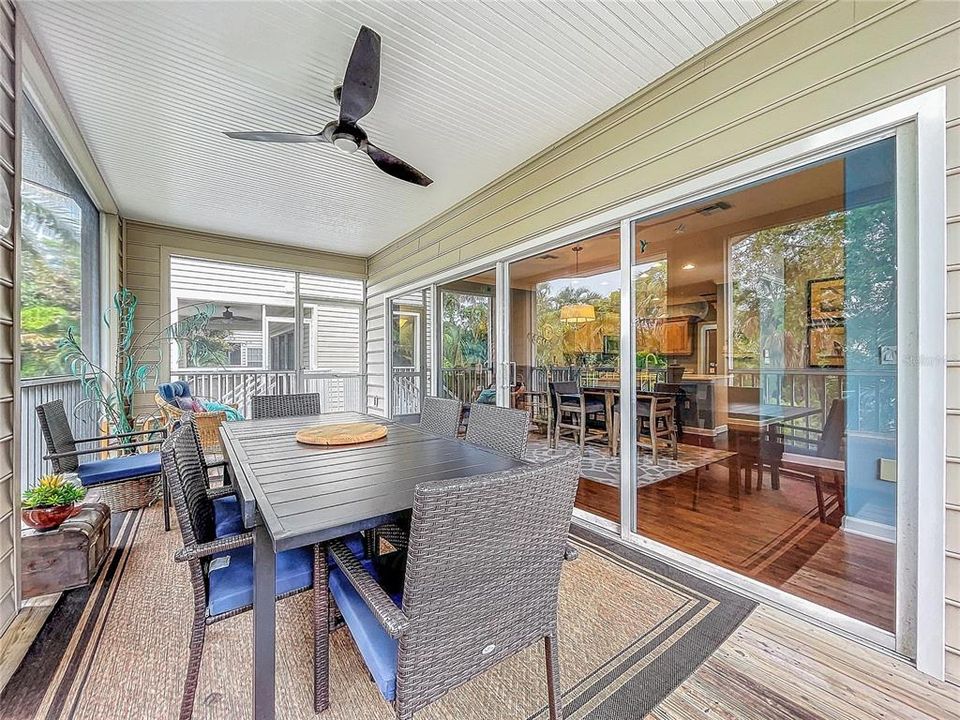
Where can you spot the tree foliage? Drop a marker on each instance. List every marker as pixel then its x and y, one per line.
pixel 50 279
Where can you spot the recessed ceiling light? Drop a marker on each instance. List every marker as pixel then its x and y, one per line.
pixel 689 266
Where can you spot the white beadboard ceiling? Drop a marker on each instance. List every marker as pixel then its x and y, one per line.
pixel 469 89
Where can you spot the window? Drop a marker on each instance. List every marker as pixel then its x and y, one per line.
pixel 253 315
pixel 60 229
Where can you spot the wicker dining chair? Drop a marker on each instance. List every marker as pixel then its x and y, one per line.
pixel 126 482
pixel 440 416
pixel 481 583
pixel 501 429
pixel 277 406
pixel 221 589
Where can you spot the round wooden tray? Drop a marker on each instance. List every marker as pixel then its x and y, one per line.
pixel 341 433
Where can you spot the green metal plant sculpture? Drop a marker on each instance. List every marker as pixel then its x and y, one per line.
pixel 111 394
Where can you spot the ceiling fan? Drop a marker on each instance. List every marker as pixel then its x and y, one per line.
pixel 356 97
pixel 228 316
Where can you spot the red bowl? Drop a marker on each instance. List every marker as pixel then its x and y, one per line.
pixel 48 518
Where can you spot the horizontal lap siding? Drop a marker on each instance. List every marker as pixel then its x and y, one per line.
pixel 953 384
pixel 143 250
pixel 375 355
pixel 10 176
pixel 798 69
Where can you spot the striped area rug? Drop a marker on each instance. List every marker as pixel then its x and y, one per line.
pixel 631 630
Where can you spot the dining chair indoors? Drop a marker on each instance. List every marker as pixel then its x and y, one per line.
pixel 277 406
pixel 481 583
pixel 504 430
pixel 221 561
pixel 576 413
pixel 117 473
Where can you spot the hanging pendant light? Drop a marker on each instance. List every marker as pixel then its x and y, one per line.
pixel 577 313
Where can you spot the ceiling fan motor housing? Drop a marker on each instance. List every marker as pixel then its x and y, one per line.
pixel 345 136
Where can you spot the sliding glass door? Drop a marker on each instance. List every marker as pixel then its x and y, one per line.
pixel 410 339
pixel 733 371
pixel 767 394
pixel 467 339
pixel 564 342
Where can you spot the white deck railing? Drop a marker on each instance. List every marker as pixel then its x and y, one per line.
pixel 338 392
pixel 35 392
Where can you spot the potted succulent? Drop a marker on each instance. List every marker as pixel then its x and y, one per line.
pixel 52 501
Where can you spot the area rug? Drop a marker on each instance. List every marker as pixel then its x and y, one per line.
pixel 631 630
pixel 599 466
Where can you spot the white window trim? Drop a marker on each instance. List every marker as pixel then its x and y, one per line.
pixel 928 111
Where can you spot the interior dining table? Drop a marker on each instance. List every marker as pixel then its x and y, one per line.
pixel 752 429
pixel 296 495
pixel 610 394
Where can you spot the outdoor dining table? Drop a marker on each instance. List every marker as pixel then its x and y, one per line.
pixel 295 495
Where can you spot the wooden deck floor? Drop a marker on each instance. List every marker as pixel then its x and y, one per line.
pixel 778 667
pixel 774 536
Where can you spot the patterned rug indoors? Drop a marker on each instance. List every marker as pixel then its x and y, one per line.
pixel 631 630
pixel 600 466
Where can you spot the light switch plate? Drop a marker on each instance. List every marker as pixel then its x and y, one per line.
pixel 888 470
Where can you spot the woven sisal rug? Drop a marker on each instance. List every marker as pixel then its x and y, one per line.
pixel 631 630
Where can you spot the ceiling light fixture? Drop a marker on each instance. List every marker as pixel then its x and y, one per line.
pixel 689 266
pixel 577 313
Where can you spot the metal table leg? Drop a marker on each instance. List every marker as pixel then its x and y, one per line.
pixel 264 625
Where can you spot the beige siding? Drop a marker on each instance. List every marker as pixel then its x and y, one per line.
pixel 9 323
pixel 144 246
pixel 798 69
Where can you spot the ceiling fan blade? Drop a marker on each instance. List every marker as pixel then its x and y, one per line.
pixel 280 137
pixel 395 166
pixel 361 82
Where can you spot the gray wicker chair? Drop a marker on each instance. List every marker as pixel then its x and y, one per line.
pixel 502 429
pixel 117 473
pixel 440 416
pixel 194 505
pixel 276 406
pixel 481 583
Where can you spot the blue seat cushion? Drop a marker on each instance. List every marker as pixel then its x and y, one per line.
pixel 228 521
pixel 230 576
pixel 378 649
pixel 125 467
pixel 227 517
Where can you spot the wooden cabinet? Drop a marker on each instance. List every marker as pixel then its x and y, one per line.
pixel 677 337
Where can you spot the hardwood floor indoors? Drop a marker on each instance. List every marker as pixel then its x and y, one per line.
pixel 775 536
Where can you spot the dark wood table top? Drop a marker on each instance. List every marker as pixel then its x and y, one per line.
pixel 761 415
pixel 307 493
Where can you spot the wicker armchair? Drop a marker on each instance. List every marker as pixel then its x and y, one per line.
pixel 481 583
pixel 223 591
pixel 207 423
pixel 440 416
pixel 501 429
pixel 276 406
pixel 126 482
